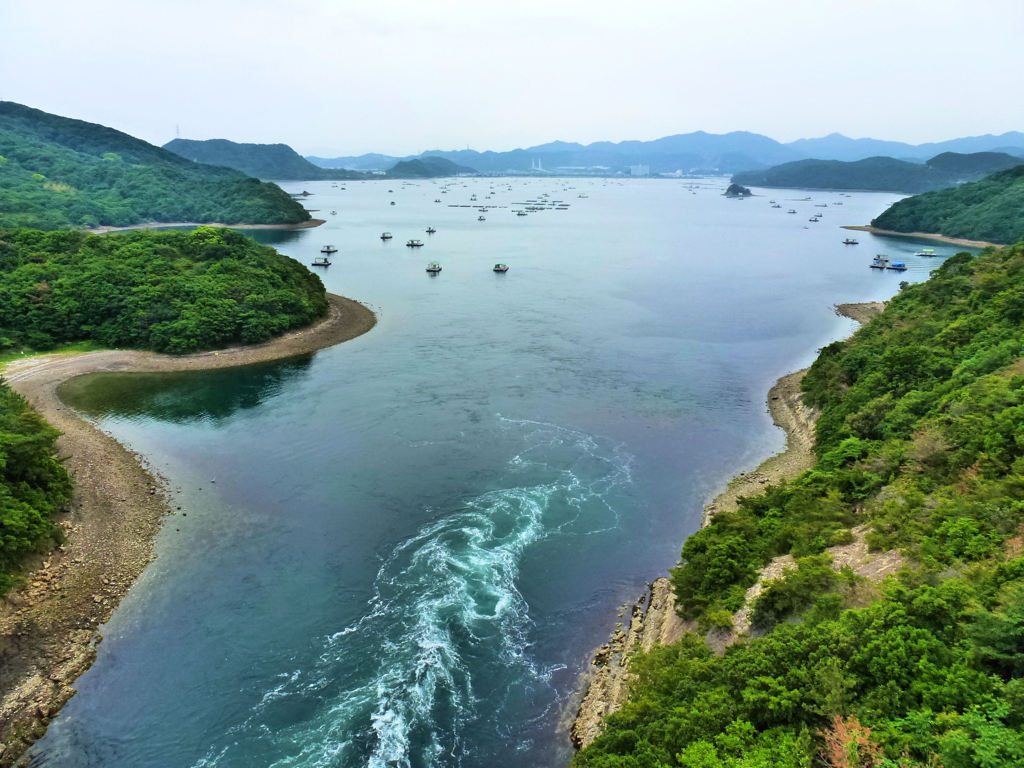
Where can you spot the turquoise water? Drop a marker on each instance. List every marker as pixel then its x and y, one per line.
pixel 401 551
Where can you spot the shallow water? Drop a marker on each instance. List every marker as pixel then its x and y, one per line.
pixel 401 551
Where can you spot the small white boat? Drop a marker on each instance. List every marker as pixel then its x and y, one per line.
pixel 328 249
pixel 927 252
pixel 501 268
pixel 321 261
pixel 385 235
pixel 414 243
pixel 850 241
pixel 433 267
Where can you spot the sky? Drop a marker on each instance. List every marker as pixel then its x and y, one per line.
pixel 334 77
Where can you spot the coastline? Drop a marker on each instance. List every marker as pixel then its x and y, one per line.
pixel 161 224
pixel 48 627
pixel 606 686
pixel 921 236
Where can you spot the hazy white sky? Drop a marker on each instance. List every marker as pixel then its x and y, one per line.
pixel 336 77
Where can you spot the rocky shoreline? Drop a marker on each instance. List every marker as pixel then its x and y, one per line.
pixel 48 627
pixel 652 618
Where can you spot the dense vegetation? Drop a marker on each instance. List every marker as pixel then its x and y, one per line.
pixel 991 209
pixel 921 438
pixel 881 173
pixel 33 484
pixel 264 161
pixel 58 173
pixel 167 291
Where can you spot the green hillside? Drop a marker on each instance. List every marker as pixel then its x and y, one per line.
pixel 58 173
pixel 264 161
pixel 884 174
pixel 921 440
pixel 165 291
pixel 991 209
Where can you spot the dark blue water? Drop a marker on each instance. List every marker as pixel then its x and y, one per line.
pixel 401 551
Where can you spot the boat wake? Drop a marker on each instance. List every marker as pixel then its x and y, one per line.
pixel 444 645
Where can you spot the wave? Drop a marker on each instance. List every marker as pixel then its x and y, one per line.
pixel 445 639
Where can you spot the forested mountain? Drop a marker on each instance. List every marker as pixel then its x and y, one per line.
pixel 264 161
pixel 57 173
pixel 884 174
pixel 426 168
pixel 991 209
pixel 166 291
pixel 919 443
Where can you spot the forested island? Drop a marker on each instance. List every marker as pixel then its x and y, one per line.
pixel 885 174
pixel 991 209
pixel 163 291
pixel 920 454
pixel 59 173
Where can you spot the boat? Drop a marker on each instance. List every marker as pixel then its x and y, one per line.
pixel 431 230
pixel 385 235
pixel 776 206
pixel 815 219
pixel 392 202
pixel 481 218
pixel 414 243
pixel 334 213
pixel 879 262
pixel 899 266
pixel 520 213
pixel 320 261
pixel 927 252
pixel 328 249
pixel 850 241
pixel 433 267
pixel 791 210
pixel 501 268
pixel 437 199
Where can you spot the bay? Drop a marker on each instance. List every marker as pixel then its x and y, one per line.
pixel 401 551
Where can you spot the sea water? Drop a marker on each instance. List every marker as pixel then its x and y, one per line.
pixel 402 551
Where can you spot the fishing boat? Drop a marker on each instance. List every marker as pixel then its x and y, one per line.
pixel 415 243
pixel 520 213
pixel 385 235
pixel 392 202
pixel 437 199
pixel 433 267
pixel 899 266
pixel 321 261
pixel 879 262
pixel 791 210
pixel 927 252
pixel 776 205
pixel 328 249
pixel 431 230
pixel 334 213
pixel 850 241
pixel 481 218
pixel 501 267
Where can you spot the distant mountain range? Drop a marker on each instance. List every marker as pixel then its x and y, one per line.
pixel 884 174
pixel 687 153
